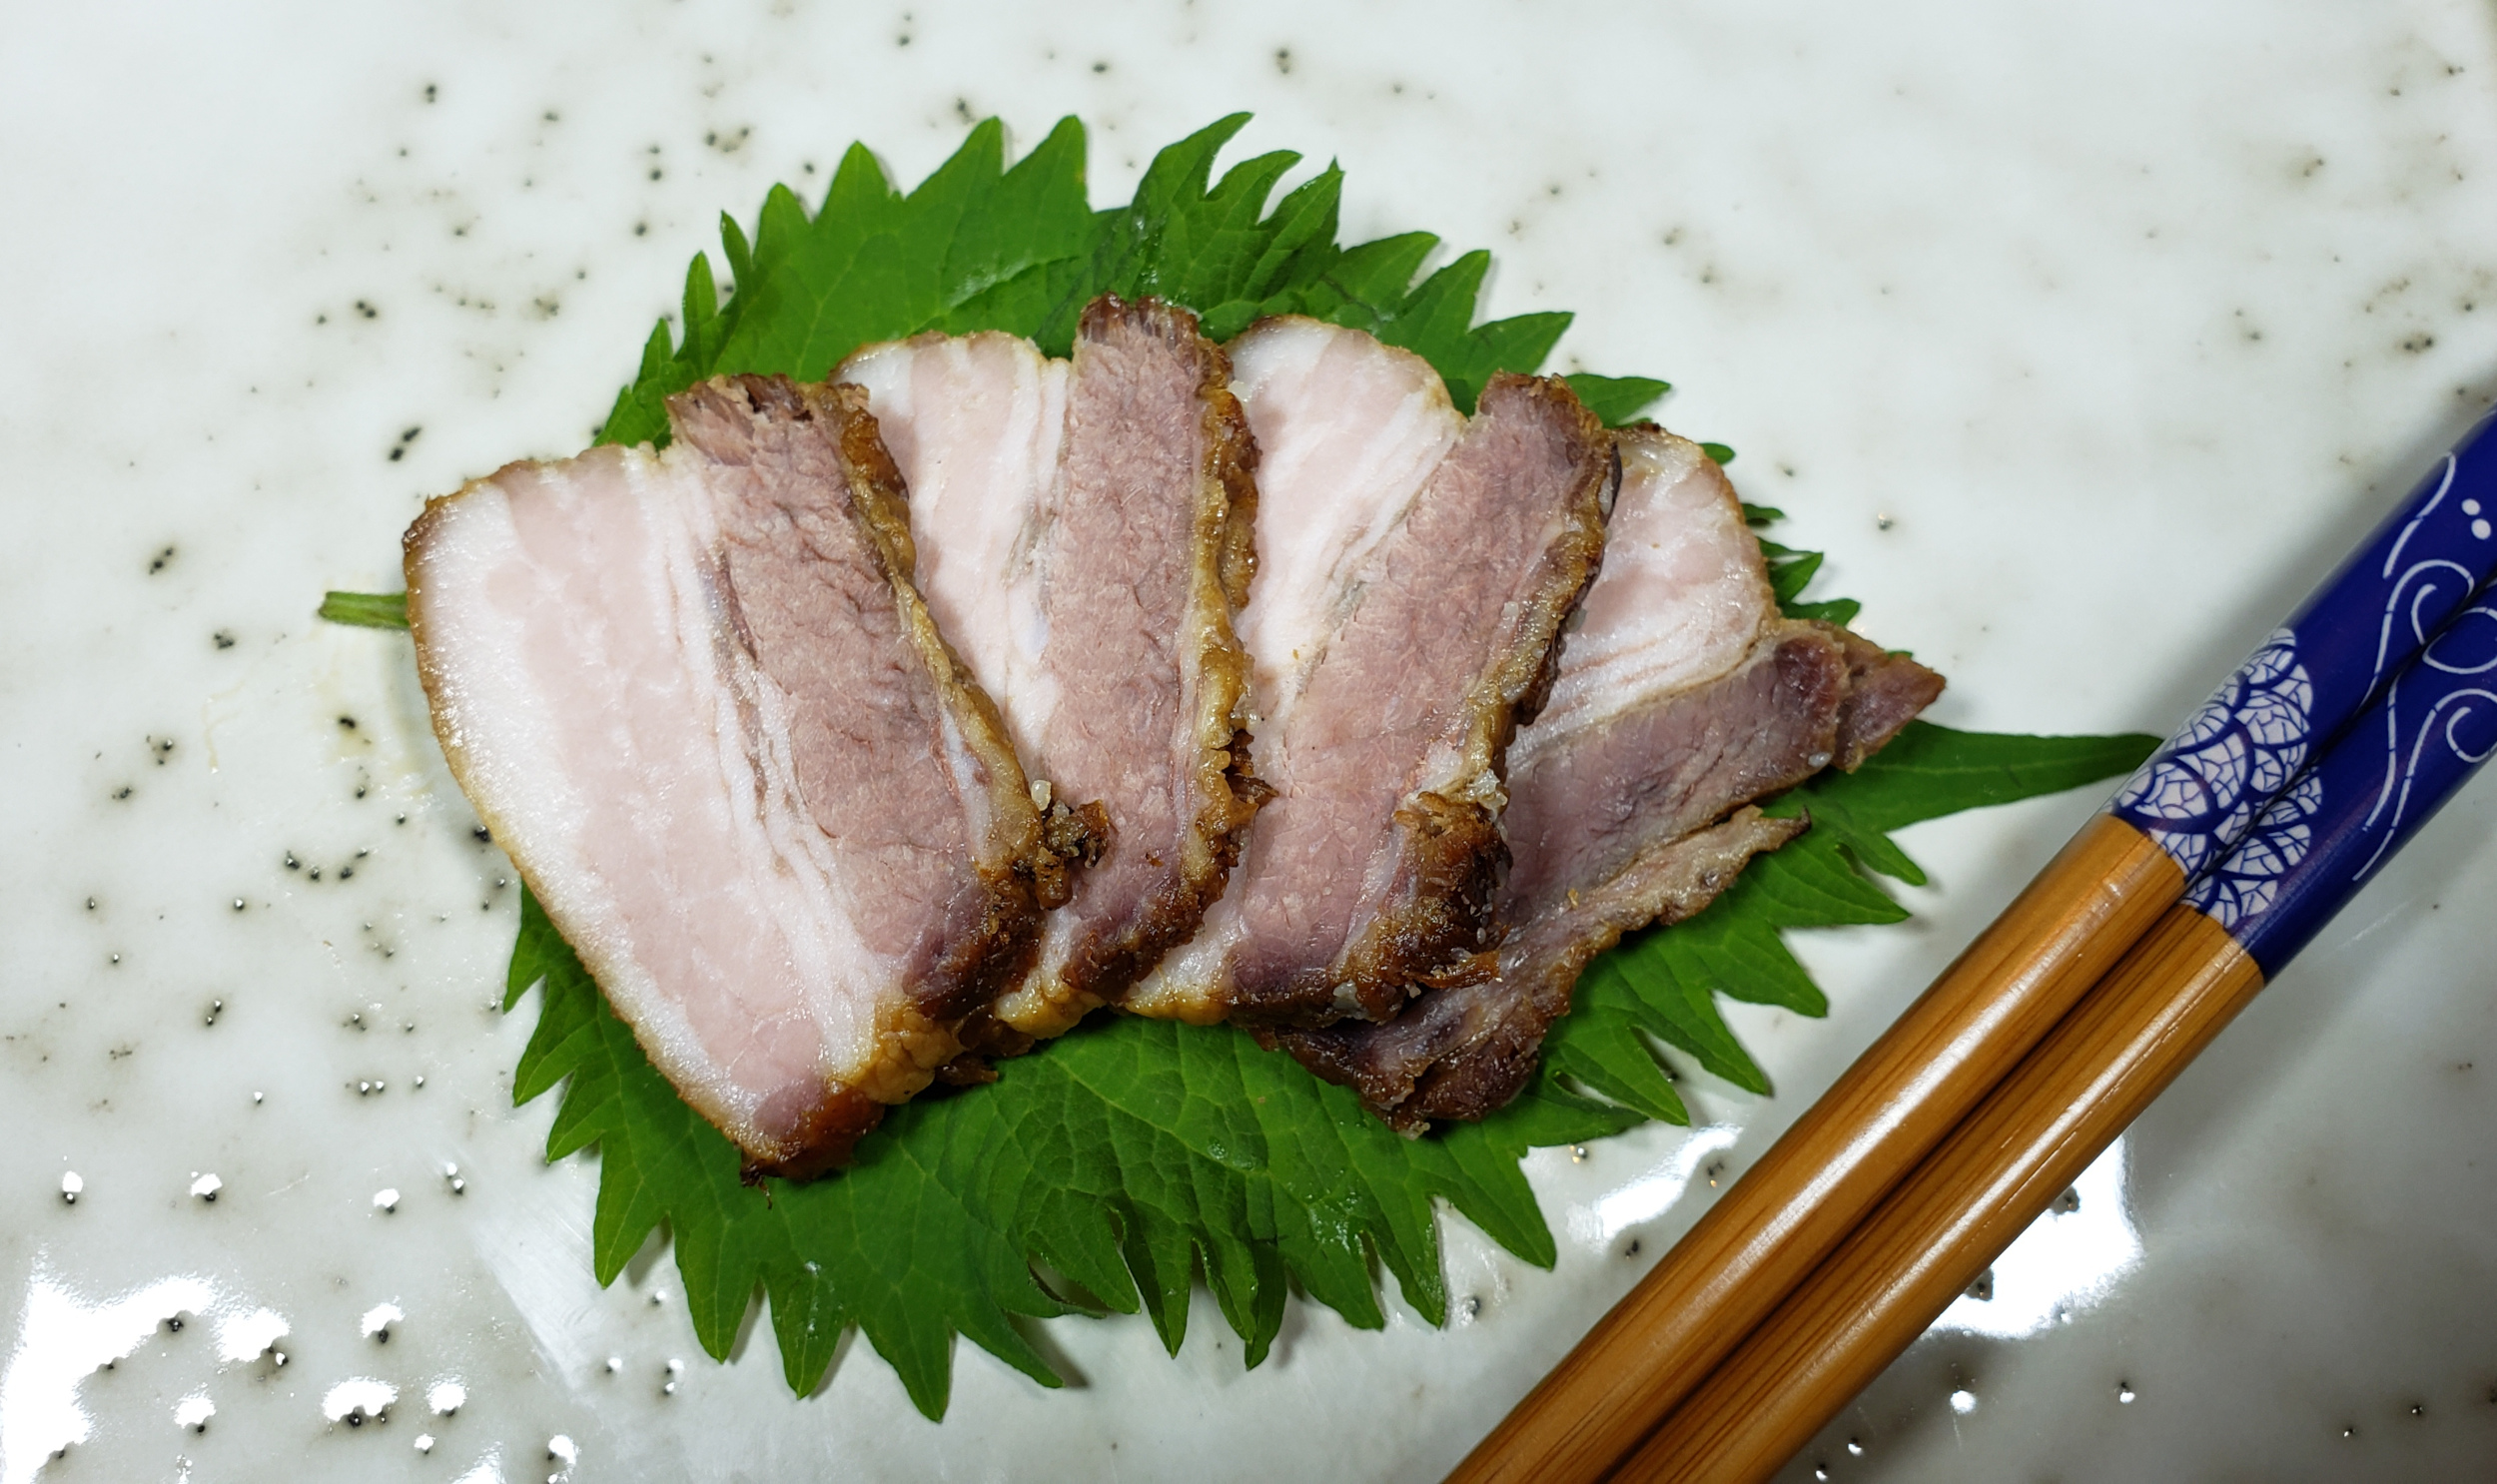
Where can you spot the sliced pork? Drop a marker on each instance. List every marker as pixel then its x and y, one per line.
pixel 1416 569
pixel 1885 692
pixel 1681 696
pixel 1083 530
pixel 698 700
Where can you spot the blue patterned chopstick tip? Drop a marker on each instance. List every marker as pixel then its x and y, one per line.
pixel 2333 831
pixel 2200 792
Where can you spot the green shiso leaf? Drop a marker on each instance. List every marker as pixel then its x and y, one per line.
pixel 1134 1158
pixel 1618 399
pixel 981 246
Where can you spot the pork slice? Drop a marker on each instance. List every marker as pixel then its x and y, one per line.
pixel 1682 697
pixel 1460 1052
pixel 976 426
pixel 697 699
pixel 1086 531
pixel 1885 691
pixel 1415 570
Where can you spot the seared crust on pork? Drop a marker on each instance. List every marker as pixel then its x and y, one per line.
pixel 1089 528
pixel 1885 691
pixel 1417 569
pixel 1438 911
pixel 697 699
pixel 1134 349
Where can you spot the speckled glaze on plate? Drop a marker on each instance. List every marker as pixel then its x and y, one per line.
pixel 2085 341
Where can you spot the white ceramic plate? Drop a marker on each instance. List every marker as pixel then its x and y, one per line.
pixel 2083 337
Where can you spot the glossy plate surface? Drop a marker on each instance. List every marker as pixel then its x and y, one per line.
pixel 2083 341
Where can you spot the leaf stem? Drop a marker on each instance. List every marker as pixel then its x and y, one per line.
pixel 366 609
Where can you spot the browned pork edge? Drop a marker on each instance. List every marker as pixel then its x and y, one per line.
pixel 1022 876
pixel 1885 692
pixel 1437 919
pixel 1625 825
pixel 1444 916
pixel 726 419
pixel 1214 778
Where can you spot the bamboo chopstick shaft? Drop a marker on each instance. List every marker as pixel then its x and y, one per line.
pixel 2059 937
pixel 1953 1216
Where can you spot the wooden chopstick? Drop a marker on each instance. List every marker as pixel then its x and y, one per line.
pixel 1785 1215
pixel 1950 1219
pixel 2064 933
pixel 2242 922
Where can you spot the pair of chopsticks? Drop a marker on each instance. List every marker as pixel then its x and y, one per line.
pixel 2230 849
